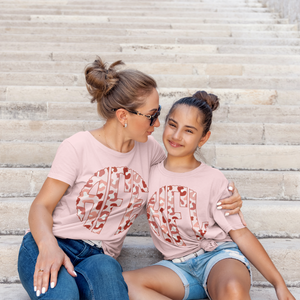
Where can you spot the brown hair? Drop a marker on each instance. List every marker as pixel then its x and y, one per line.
pixel 113 89
pixel 205 103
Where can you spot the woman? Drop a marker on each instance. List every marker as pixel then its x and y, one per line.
pixel 96 188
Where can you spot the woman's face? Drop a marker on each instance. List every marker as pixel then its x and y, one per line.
pixel 139 126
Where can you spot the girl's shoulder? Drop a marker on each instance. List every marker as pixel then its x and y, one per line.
pixel 212 173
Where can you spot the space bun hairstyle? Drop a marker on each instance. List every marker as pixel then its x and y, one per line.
pixel 204 102
pixel 113 89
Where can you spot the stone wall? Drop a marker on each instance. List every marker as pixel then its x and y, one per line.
pixel 287 8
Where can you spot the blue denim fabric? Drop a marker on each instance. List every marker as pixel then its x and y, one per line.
pixel 99 276
pixel 194 272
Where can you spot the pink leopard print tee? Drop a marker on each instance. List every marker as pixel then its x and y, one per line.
pixel 182 210
pixel 107 191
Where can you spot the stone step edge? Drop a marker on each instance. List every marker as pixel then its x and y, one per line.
pixel 138 252
pixel 12 291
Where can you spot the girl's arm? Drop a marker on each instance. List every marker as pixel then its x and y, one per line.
pixel 51 257
pixel 257 255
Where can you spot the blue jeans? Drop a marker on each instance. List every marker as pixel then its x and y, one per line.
pixel 99 276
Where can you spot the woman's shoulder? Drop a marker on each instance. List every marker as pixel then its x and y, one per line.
pixel 79 138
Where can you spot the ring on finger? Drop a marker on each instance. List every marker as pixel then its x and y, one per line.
pixel 40 270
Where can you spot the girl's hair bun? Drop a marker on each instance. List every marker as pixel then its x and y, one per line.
pixel 211 99
pixel 101 80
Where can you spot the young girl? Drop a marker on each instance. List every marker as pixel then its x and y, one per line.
pixel 205 252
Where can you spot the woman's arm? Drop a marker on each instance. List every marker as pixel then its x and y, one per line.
pixel 51 257
pixel 257 255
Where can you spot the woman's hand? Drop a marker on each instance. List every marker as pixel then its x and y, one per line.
pixel 233 203
pixel 50 259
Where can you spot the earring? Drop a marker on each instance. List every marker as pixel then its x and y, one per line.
pixel 125 125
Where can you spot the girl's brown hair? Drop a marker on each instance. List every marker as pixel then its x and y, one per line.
pixel 204 102
pixel 113 89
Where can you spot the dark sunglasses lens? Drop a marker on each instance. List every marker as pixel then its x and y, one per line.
pixel 154 117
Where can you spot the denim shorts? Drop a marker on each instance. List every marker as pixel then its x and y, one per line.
pixel 194 272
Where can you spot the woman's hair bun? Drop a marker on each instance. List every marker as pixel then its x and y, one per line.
pixel 100 80
pixel 211 99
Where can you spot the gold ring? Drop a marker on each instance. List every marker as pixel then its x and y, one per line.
pixel 40 270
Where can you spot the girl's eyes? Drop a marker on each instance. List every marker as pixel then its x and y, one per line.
pixel 189 131
pixel 171 125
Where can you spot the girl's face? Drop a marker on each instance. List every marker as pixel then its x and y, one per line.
pixel 184 131
pixel 138 125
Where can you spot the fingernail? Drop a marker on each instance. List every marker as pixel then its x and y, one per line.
pixel 34 288
pixel 38 293
pixel 219 203
pixel 52 285
pixel 43 290
pixel 227 214
pixel 75 273
pixel 230 188
pixel 219 207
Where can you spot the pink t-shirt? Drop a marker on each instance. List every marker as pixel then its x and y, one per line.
pixel 107 191
pixel 182 210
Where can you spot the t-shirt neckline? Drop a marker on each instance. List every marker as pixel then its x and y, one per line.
pixel 166 172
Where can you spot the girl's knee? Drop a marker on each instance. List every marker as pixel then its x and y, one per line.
pixel 234 290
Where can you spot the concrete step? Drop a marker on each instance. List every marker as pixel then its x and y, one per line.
pixel 266 219
pixel 41 94
pixel 131 12
pixel 84 9
pixel 12 291
pixel 203 48
pixel 138 19
pixel 166 80
pixel 133 57
pixel 143 5
pixel 162 48
pixel 140 252
pixel 222 133
pixel 238 157
pixel 150 32
pixel 87 111
pixel 266 185
pixel 155 23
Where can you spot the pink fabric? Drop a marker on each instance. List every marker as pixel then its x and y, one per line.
pixel 107 191
pixel 182 210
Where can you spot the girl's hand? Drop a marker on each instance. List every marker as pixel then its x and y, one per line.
pixel 49 262
pixel 233 203
pixel 283 293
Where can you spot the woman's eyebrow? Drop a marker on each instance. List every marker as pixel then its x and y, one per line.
pixel 154 109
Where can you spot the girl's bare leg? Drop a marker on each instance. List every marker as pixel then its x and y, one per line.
pixel 154 282
pixel 229 279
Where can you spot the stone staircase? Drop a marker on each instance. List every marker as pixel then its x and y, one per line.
pixel 236 49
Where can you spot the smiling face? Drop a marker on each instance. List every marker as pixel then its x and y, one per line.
pixel 139 126
pixel 184 131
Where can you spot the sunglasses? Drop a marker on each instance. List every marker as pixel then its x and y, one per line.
pixel 152 118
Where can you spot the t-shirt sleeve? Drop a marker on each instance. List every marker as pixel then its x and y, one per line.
pixel 158 154
pixel 232 222
pixel 65 164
